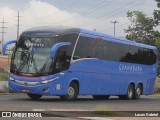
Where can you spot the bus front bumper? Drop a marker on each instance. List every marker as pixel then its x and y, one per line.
pixel 51 88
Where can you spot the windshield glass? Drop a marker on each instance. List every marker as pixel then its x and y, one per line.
pixel 31 55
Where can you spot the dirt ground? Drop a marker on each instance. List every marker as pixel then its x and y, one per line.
pixel 4 61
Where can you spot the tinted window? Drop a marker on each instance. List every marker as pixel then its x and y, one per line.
pixel 89 48
pixel 97 48
pixel 69 38
pixel 113 51
pixel 83 49
pixel 139 55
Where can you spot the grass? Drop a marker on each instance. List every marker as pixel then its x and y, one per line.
pixel 101 110
pixel 3 76
pixel 157 86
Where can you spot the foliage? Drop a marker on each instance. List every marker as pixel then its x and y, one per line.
pixel 101 110
pixel 141 28
pixel 157 87
pixel 3 76
pixel 156 13
pixel 157 44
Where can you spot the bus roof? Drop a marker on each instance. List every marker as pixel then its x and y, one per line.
pixel 117 39
pixel 54 29
pixel 64 30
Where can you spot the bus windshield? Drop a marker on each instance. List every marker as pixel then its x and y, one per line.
pixel 31 56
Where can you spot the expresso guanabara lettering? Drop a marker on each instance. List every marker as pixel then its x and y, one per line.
pixel 131 68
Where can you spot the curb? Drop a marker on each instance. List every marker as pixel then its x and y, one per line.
pixel 94 118
pixel 69 114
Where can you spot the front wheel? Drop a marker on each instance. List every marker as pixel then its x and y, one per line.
pixel 72 93
pixel 34 96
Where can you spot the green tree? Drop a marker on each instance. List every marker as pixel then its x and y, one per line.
pixel 157 44
pixel 156 13
pixel 141 28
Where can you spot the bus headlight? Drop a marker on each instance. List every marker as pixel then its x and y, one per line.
pixel 11 79
pixel 47 81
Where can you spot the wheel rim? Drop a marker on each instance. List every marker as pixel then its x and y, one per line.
pixel 71 92
pixel 138 91
pixel 130 92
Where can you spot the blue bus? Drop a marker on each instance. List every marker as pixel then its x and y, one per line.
pixel 67 62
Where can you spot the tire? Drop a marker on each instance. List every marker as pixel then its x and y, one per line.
pixel 72 93
pixel 138 92
pixel 130 93
pixel 34 96
pixel 101 97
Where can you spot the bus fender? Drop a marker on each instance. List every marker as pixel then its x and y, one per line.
pixel 76 80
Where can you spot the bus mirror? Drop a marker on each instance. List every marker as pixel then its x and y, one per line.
pixel 4 47
pixel 56 46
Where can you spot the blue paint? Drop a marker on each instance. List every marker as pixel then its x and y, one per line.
pixel 95 77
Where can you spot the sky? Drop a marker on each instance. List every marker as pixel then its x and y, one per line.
pixel 88 14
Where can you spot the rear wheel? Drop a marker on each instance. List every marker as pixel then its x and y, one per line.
pixel 130 93
pixel 100 97
pixel 72 93
pixel 34 96
pixel 138 92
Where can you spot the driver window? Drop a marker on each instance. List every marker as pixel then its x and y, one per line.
pixel 62 61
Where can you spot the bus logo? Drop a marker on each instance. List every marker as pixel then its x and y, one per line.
pixel 131 68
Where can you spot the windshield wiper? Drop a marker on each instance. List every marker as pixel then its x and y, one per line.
pixel 22 66
pixel 25 55
pixel 33 61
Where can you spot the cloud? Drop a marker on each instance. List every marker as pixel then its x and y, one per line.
pixel 9 14
pixel 40 13
pixel 36 13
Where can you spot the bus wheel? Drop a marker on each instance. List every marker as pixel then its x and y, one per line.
pixel 72 93
pixel 138 92
pixel 34 96
pixel 101 97
pixel 130 92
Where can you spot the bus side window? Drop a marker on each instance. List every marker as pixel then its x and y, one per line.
pixel 82 48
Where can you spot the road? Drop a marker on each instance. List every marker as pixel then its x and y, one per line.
pixel 18 102
pixel 21 102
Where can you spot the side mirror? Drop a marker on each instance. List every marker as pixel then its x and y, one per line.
pixel 56 46
pixel 6 44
